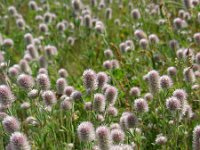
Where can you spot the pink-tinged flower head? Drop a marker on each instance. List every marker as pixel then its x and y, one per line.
pixel 66 104
pixel 20 23
pixel 161 140
pixel 76 4
pixel 154 81
pixel 103 137
pixel 117 135
pixel 171 71
pixel 8 42
pixel 148 97
pixel 195 3
pixel 123 47
pixel 99 27
pixel 102 79
pixel 6 96
pixel 87 20
pixel 102 4
pixel 33 5
pixel 27 57
pixel 25 81
pixel 17 66
pixel 60 85
pixel 153 39
pixel 181 13
pixel 11 124
pixel 19 141
pixel 122 122
pixel 86 132
pixel 187 111
pixel 129 46
pixel 140 34
pixel 43 62
pixel 33 94
pixel 135 13
pixel 173 104
pixel 88 106
pixel 53 16
pixel 24 66
pixel 100 118
pixel 43 81
pixel 112 111
pixel 32 51
pixel 105 87
pixel 141 105
pixel 37 42
pixel 180 53
pixel 135 91
pixel 107 64
pixel 28 38
pixel 144 43
pixel 108 53
pixel 128 49
pixel 68 90
pixel 130 120
pixel 165 82
pixel 49 98
pixel 63 73
pixel 71 40
pixel 173 44
pixel 180 94
pixel 12 10
pixel 99 102
pixel 129 43
pixel 111 94
pixel 43 27
pixel 188 53
pixel 115 64
pixel 178 23
pixel 76 95
pixel 189 75
pixel 187 16
pixel 196 138
pixel 89 79
pixel 43 71
pixel 13 72
pixel 108 13
pixel 48 17
pixel 61 26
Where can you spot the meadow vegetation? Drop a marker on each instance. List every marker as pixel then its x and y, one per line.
pixel 99 75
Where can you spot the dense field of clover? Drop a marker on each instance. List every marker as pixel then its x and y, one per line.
pixel 100 75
